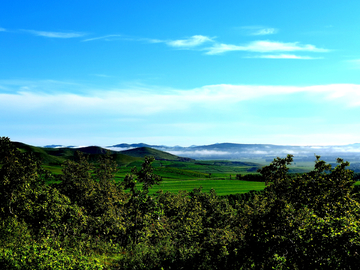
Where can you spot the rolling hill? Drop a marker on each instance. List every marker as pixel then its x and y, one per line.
pixel 56 156
pixel 157 154
pixel 236 151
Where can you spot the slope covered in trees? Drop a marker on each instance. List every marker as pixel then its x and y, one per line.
pixel 308 221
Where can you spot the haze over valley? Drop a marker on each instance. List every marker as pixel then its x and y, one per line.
pixel 234 151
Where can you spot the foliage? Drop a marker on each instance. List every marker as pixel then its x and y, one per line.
pixel 88 221
pixel 45 256
pixel 25 196
pixel 250 177
pixel 142 209
pixel 308 221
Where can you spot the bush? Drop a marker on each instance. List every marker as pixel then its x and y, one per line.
pixel 45 255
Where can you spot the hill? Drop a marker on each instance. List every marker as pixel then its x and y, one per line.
pixel 42 153
pixel 93 150
pixel 267 152
pixel 157 154
pixel 56 156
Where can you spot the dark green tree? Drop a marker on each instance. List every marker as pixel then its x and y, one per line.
pixel 309 221
pixel 142 209
pixel 24 194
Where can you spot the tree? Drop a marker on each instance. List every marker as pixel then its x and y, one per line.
pixel 142 208
pixel 301 222
pixel 92 188
pixel 25 196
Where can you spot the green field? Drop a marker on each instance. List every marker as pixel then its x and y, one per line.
pixel 222 187
pixel 216 174
pixel 177 173
pixel 219 175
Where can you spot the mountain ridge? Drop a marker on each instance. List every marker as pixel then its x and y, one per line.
pixel 263 151
pixel 58 155
pixel 233 151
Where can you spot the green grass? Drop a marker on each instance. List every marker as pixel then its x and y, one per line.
pixel 177 173
pixel 222 187
pixel 55 169
pixel 219 175
pixel 216 174
pixel 189 175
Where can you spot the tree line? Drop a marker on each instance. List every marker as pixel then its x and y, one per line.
pixel 88 221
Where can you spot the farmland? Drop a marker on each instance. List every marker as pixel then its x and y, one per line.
pixel 218 175
pixel 186 176
pixel 177 173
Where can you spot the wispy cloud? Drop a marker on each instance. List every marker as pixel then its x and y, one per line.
pixel 199 42
pixel 190 42
pixel 263 46
pixel 2 29
pixel 284 56
pixel 265 31
pixel 106 38
pixel 146 102
pixel 258 30
pixel 56 34
pixel 31 110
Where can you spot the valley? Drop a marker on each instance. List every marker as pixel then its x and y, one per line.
pixel 178 173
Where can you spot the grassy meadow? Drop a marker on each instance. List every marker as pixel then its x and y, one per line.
pixel 208 174
pixel 177 174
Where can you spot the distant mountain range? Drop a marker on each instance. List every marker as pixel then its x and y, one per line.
pixel 234 151
pixel 57 155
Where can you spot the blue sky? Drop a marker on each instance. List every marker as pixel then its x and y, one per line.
pixel 180 72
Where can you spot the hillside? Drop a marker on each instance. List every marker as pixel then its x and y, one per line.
pixel 157 154
pixel 266 152
pixel 58 155
pixel 46 155
pixel 93 150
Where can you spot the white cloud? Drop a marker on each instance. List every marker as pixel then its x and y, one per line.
pixel 264 46
pixel 220 48
pixel 260 46
pixel 258 30
pixel 153 40
pixel 137 102
pixel 118 148
pixel 149 111
pixel 2 29
pixel 264 31
pixel 200 153
pixel 107 38
pixel 56 34
pixel 284 56
pixel 190 42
